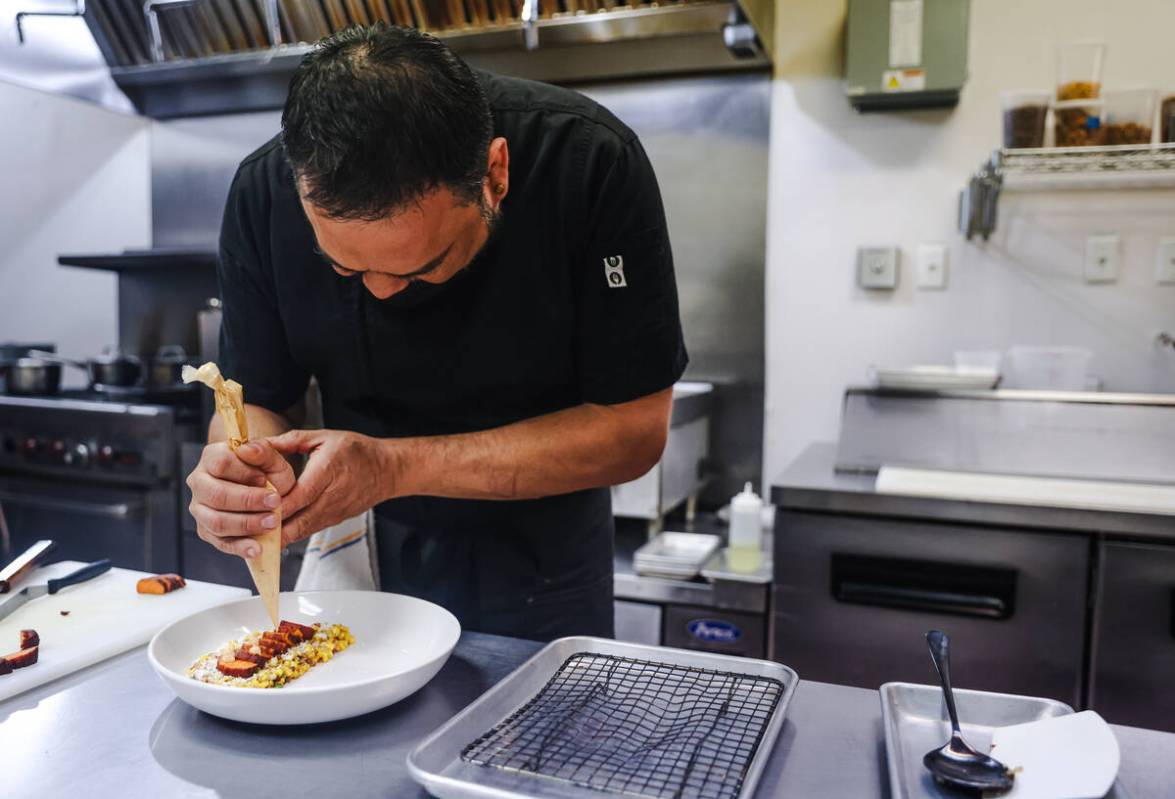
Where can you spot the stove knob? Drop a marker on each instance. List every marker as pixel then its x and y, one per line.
pixel 78 455
pixel 57 451
pixel 30 446
pixel 105 453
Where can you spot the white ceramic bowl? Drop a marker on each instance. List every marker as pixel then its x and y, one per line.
pixel 400 643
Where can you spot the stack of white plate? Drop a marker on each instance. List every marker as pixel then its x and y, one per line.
pixel 676 555
pixel 936 378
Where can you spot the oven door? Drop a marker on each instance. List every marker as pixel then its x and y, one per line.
pixel 87 521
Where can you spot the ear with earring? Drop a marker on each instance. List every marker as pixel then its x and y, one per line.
pixel 499 188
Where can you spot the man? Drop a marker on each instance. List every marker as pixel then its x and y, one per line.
pixel 477 272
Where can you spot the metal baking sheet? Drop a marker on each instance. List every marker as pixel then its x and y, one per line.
pixel 437 762
pixel 915 721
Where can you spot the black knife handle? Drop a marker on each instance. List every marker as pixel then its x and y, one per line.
pixel 86 572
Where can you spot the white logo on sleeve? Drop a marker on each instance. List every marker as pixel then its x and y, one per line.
pixel 614 272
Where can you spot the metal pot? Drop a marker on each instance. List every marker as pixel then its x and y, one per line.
pixel 112 368
pixel 34 376
pixel 165 369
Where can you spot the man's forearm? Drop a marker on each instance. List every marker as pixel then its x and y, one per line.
pixel 578 448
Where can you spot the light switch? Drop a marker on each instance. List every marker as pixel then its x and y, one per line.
pixel 1165 260
pixel 1101 259
pixel 932 266
pixel 877 267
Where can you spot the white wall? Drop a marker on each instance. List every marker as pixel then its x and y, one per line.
pixel 74 177
pixel 840 179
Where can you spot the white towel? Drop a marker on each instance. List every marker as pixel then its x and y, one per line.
pixel 341 557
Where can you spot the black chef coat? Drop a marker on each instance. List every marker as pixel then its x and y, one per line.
pixel 573 301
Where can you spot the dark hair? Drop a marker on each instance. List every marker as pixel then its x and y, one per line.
pixel 377 116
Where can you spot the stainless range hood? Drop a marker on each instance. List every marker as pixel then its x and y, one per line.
pixel 191 57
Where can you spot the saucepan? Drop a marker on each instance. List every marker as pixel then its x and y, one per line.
pixel 33 376
pixel 40 372
pixel 165 368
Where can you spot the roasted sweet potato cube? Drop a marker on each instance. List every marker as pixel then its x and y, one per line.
pixel 306 630
pixel 278 637
pixel 237 668
pixel 25 657
pixel 245 654
pixel 151 585
pixel 29 638
pixel 4 667
pixel 172 581
pixel 294 634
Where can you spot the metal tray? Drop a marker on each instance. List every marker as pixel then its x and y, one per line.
pixel 675 554
pixel 915 721
pixel 438 765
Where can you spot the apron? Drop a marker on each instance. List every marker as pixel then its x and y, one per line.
pixel 537 569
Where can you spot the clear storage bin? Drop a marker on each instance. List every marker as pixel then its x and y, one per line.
pixel 1077 123
pixel 1167 119
pixel 1079 70
pixel 1024 115
pixel 1048 368
pixel 1129 116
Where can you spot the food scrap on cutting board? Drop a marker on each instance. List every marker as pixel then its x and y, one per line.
pixel 272 659
pixel 30 645
pixel 160 584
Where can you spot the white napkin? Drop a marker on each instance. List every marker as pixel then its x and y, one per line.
pixel 1074 756
pixel 341 557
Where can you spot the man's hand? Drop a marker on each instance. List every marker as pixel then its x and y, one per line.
pixel 229 499
pixel 346 473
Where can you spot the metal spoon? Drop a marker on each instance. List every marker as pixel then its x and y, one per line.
pixel 956 763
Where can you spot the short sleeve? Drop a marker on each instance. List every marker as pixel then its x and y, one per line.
pixel 253 346
pixel 630 341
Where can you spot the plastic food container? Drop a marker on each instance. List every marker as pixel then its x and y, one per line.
pixel 1024 114
pixel 1130 115
pixel 990 360
pixel 1079 70
pixel 1077 123
pixel 1048 368
pixel 1167 119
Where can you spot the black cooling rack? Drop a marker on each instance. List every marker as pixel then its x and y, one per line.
pixel 637 728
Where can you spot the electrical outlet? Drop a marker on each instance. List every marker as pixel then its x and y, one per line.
pixel 1102 256
pixel 1165 260
pixel 932 266
pixel 877 267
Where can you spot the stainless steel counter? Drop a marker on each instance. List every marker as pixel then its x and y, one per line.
pixel 810 483
pixel 115 730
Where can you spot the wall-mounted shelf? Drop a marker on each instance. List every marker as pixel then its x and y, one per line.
pixel 1143 166
pixel 158 259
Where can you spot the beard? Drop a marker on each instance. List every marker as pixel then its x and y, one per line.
pixel 419 292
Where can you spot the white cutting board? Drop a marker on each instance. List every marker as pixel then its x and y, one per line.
pixel 106 617
pixel 1018 490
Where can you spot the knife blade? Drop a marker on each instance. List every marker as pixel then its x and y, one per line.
pixel 22 565
pixel 87 572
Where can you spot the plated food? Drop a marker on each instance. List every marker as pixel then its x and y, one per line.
pixel 272 659
pixel 400 642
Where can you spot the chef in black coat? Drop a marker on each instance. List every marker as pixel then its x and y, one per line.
pixel 477 272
